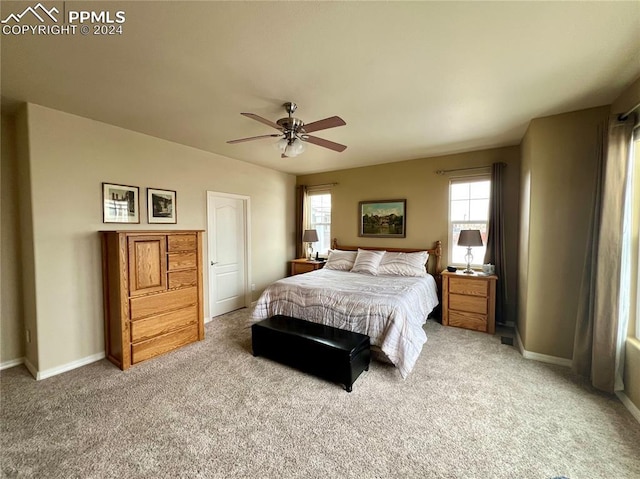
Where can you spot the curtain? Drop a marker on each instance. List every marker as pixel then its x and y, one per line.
pixel 601 323
pixel 301 219
pixel 495 253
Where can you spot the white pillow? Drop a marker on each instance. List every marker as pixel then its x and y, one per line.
pixel 403 264
pixel 340 260
pixel 367 262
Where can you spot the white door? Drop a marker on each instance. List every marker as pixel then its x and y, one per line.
pixel 228 247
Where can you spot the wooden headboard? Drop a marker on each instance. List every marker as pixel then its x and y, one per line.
pixel 434 266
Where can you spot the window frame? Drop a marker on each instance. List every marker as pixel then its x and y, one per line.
pixel 309 225
pixel 477 264
pixel 635 195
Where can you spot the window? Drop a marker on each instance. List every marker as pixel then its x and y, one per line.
pixel 468 210
pixel 319 215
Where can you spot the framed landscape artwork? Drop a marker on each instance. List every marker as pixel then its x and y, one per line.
pixel 161 206
pixel 120 203
pixel 383 218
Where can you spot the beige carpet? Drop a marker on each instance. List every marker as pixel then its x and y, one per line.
pixel 472 408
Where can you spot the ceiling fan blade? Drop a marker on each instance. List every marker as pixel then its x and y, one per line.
pixel 253 116
pixel 325 143
pixel 252 138
pixel 331 122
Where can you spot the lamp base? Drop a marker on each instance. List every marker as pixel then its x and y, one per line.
pixel 469 258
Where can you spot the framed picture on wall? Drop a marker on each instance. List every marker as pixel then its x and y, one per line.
pixel 120 203
pixel 383 218
pixel 161 206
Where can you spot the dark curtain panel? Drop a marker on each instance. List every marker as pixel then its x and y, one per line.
pixel 301 220
pixel 495 253
pixel 583 343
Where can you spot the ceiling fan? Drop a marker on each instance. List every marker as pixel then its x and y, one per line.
pixel 294 133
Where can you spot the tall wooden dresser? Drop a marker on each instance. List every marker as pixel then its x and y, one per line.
pixel 152 293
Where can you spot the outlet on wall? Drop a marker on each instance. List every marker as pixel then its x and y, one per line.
pixel 253 286
pixel 28 335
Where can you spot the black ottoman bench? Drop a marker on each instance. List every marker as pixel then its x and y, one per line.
pixel 334 354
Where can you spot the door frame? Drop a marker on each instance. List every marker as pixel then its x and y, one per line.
pixel 246 201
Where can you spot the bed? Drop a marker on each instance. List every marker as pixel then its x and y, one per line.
pixel 390 308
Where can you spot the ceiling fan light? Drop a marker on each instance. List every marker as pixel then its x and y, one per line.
pixel 301 145
pixel 296 147
pixel 281 145
pixel 290 151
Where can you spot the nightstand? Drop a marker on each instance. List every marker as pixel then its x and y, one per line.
pixel 303 265
pixel 469 301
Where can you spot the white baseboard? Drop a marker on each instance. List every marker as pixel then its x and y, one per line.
pixel 47 373
pixel 207 320
pixel 11 363
pixel 543 358
pixel 633 409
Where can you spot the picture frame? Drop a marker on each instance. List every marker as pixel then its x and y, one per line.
pixel 161 206
pixel 120 203
pixel 382 218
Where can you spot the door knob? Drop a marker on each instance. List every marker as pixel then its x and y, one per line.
pixel 214 262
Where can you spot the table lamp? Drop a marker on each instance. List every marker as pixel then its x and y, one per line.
pixel 469 238
pixel 310 237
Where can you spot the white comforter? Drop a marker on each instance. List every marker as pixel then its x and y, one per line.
pixel 391 310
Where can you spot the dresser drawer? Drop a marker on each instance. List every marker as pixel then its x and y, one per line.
pixel 181 243
pixel 182 261
pixel 182 279
pixel 477 322
pixel 159 303
pixel 472 304
pixel 468 286
pixel 147 328
pixel 162 344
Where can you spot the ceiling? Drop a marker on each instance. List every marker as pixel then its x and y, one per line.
pixel 411 79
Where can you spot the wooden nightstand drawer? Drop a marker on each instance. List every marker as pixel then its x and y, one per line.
pixel 472 304
pixel 477 322
pixel 299 266
pixel 468 286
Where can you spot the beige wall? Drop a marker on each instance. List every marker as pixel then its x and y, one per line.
pixel 11 318
pixel 26 238
pixel 559 159
pixel 69 158
pixel 523 244
pixel 625 102
pixel 427 197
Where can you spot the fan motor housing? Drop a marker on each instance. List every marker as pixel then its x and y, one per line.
pixel 290 124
